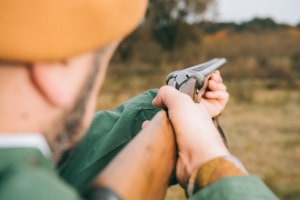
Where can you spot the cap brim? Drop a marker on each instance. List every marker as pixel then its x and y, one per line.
pixel 52 30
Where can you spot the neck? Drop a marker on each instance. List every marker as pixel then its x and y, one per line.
pixel 21 106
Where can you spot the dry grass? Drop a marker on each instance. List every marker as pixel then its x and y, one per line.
pixel 265 135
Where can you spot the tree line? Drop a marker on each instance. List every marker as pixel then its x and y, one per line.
pixel 170 34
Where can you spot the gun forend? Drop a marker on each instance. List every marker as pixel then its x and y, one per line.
pixel 190 80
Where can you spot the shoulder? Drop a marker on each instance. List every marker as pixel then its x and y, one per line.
pixel 29 177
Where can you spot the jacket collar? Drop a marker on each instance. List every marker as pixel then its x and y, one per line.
pixel 26 140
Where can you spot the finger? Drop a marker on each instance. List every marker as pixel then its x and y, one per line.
pixel 217 72
pixel 145 123
pixel 215 86
pixel 216 76
pixel 217 95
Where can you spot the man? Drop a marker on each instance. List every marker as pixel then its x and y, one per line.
pixel 53 60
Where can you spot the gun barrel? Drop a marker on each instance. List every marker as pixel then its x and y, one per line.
pixel 208 67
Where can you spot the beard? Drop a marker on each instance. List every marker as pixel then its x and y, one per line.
pixel 71 126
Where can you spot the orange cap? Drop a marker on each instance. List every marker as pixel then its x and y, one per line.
pixel 52 30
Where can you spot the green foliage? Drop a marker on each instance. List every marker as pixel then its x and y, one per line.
pixel 259 24
pixel 176 35
pixel 168 24
pixel 255 25
pixel 211 27
pixel 167 21
pixel 166 12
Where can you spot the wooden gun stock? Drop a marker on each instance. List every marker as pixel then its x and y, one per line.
pixel 143 168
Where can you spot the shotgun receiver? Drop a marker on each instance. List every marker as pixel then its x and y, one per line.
pixel 192 79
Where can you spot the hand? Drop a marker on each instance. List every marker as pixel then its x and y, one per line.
pixel 216 97
pixel 198 140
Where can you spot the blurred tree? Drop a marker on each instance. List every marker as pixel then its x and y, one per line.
pixel 212 27
pixel 166 19
pixel 165 12
pixel 169 23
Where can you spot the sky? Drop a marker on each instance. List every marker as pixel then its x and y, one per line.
pixel 281 11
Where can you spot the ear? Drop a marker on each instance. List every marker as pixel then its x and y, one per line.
pixel 54 82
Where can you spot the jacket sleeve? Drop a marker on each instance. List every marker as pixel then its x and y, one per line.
pixel 109 132
pixel 226 178
pixel 236 188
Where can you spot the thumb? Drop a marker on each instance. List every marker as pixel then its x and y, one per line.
pixel 169 97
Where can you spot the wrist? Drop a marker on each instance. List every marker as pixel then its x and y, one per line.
pixel 186 166
pixel 214 170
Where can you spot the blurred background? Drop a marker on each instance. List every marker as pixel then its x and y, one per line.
pixel 261 41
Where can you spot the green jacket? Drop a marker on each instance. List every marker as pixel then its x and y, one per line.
pixel 112 130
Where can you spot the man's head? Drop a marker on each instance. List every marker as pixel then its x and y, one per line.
pixel 53 58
